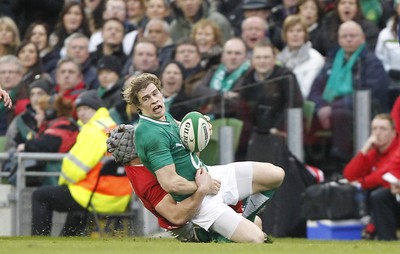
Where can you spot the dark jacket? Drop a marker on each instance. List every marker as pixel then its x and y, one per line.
pixel 112 96
pixel 49 61
pixel 89 75
pixel 98 54
pixel 264 103
pixel 368 73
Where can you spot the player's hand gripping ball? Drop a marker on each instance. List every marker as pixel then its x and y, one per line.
pixel 195 131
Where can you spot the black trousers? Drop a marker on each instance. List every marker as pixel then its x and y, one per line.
pixel 47 199
pixel 385 213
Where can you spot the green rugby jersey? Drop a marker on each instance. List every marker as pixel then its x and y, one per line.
pixel 158 145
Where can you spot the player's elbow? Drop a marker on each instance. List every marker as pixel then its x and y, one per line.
pixel 178 220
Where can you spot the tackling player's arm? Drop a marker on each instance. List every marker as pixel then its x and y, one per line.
pixel 171 182
pixel 180 213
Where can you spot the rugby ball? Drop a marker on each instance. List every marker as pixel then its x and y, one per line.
pixel 194 131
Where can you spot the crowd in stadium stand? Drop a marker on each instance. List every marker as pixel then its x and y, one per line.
pixel 244 59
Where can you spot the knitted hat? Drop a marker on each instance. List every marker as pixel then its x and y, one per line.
pixel 89 98
pixel 109 63
pixel 42 83
pixel 121 144
pixel 257 4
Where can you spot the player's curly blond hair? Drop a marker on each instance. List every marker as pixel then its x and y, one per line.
pixel 138 83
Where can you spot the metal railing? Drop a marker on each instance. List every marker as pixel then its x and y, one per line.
pixel 21 178
pixel 147 221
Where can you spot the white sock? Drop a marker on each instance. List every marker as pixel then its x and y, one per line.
pixel 253 205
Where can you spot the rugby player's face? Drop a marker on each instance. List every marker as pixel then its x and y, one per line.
pixel 152 102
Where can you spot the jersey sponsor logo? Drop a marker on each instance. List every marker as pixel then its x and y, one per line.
pixel 179 145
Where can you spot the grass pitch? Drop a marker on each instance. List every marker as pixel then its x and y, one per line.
pixel 48 245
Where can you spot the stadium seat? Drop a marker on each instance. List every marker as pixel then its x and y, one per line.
pixel 321 137
pixel 210 155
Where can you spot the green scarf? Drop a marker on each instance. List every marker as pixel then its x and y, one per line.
pixel 222 82
pixel 101 91
pixel 340 81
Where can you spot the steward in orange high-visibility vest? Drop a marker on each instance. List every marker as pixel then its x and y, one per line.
pixel 81 167
pixel 80 174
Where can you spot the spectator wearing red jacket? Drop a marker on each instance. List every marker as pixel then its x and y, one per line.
pixel 368 166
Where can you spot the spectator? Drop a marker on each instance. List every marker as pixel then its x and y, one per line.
pixel 69 79
pixel 9 36
pixel 109 78
pixel 24 126
pixel 113 34
pixel 79 170
pixel 384 201
pixel 116 10
pixel 388 51
pixel 366 167
pixel 266 90
pixel 72 19
pixel 77 49
pixel 283 10
pixel 187 53
pixel 386 211
pixel 175 99
pixel 10 77
pixel 253 30
pixel 158 32
pixel 158 9
pixel 124 113
pixel 311 14
pixel 345 10
pixel 144 59
pixel 333 88
pixel 27 12
pixel 29 55
pixel 188 13
pixel 298 55
pixel 94 13
pixel 136 12
pixel 208 38
pixel 223 78
pixel 262 9
pixel 38 33
pixel 232 10
pixel 57 132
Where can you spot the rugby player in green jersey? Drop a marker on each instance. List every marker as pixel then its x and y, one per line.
pixel 162 152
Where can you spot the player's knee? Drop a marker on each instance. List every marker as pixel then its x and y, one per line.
pixel 257 237
pixel 276 174
pixel 280 173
